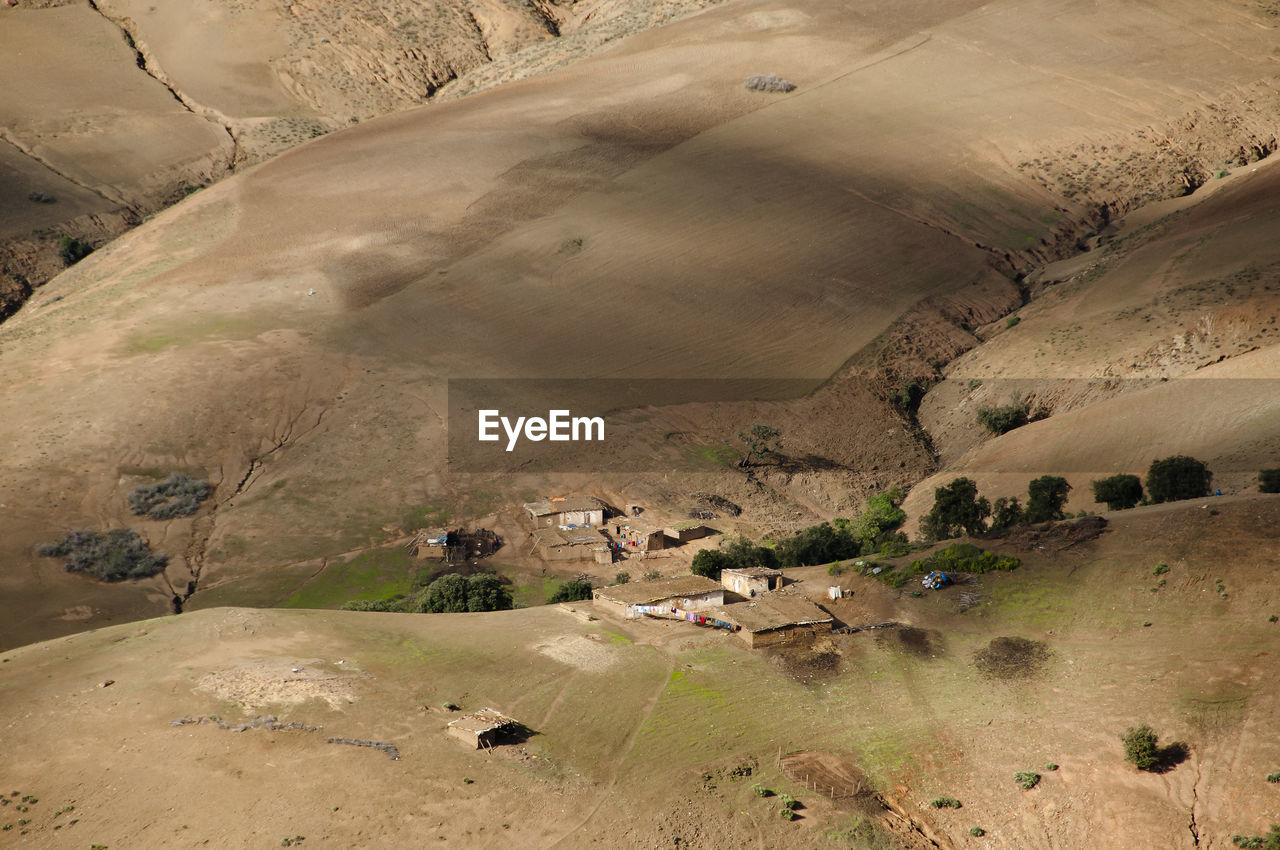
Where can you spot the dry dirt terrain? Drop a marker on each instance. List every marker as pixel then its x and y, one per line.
pixel 117 109
pixel 212 728
pixel 289 333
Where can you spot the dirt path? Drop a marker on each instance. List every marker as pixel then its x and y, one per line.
pixel 607 787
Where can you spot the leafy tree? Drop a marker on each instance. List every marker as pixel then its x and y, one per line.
pixel 1269 481
pixel 486 592
pixel 1006 513
pixel 445 595
pixel 711 562
pixel 1179 477
pixel 760 441
pixel 1002 420
pixel 875 525
pixel 1141 747
pixel 1045 497
pixel 571 591
pixel 819 544
pixel 957 508
pixel 1119 492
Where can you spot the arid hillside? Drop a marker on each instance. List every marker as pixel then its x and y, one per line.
pixel 214 727
pixel 288 334
pixel 116 109
pixel 1162 341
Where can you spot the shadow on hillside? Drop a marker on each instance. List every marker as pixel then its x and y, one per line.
pixel 1169 757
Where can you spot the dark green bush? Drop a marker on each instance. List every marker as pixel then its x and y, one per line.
pixel 1026 779
pixel 977 831
pixel 1045 497
pixel 1118 492
pixel 72 250
pixel 1006 513
pixel 1002 420
pixel 115 555
pixel 946 803
pixel 622 578
pixel 571 591
pixel 178 495
pixel 1270 841
pixel 1179 477
pixel 1269 481
pixel 956 508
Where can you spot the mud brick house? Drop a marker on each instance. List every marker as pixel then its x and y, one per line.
pixel 662 597
pixel 748 581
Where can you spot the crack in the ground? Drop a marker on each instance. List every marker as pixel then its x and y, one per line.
pixel 148 65
pixel 1195 800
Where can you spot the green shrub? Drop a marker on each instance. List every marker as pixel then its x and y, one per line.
pixel 178 495
pixel 1269 481
pixel 895 548
pixel 964 558
pixel 396 604
pixel 1141 747
pixel 1012 322
pixel 1002 420
pixel 787 814
pixel 571 591
pixel 1179 477
pixel 115 555
pixel 1161 569
pixel 788 802
pixel 622 578
pixel 1273 777
pixel 1026 779
pixel 652 575
pixel 946 803
pixel 1119 492
pixel 977 831
pixel 72 250
pixel 761 791
pixel 1270 841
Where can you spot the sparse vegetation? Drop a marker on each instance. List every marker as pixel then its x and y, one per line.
pixel 977 831
pixel 1273 777
pixel 652 575
pixel 1118 492
pixel 1003 419
pixel 1012 322
pixel 760 440
pixel 761 791
pixel 957 508
pixel 176 496
pixel 1179 477
pixel 1269 481
pixel 946 803
pixel 1051 766
pixel 1160 569
pixel 1026 779
pixel 114 555
pixel 622 578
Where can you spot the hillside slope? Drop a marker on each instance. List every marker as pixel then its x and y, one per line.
pixel 289 334
pixel 648 734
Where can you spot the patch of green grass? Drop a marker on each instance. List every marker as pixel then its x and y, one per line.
pixel 191 332
pixel 528 591
pixel 376 574
pixel 714 455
